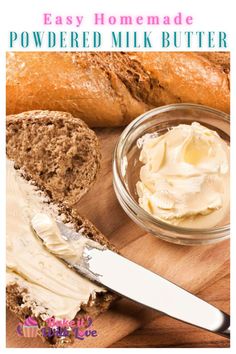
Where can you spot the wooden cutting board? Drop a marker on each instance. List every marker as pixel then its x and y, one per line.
pixel 193 268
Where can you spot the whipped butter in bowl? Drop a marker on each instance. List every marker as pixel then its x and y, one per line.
pixel 184 179
pixel 172 173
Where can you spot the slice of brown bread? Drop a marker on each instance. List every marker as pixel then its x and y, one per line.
pixel 60 154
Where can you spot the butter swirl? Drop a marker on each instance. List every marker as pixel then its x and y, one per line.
pixel 184 179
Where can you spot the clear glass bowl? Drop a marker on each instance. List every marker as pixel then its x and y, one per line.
pixel 126 168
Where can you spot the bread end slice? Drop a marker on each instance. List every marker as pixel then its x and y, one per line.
pixel 58 152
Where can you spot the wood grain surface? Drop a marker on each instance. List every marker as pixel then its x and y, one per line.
pixel 203 270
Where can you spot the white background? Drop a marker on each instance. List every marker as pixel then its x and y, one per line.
pixel 26 15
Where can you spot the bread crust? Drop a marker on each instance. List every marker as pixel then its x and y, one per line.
pixel 112 88
pixel 19 299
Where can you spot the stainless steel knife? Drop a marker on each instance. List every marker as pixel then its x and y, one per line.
pixel 133 281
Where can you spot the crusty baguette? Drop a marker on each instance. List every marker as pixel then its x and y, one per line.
pixel 112 88
pixel 186 77
pixel 30 138
pixel 78 82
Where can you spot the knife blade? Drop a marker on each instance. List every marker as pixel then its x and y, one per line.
pixel 133 281
pixel 147 288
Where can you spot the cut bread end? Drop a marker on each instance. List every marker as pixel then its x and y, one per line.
pixel 57 151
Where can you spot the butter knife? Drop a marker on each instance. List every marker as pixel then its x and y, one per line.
pixel 135 282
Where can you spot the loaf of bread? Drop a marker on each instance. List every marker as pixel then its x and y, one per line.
pixel 60 155
pixel 113 88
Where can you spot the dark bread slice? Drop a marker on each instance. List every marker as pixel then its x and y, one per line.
pixel 46 145
pixel 59 152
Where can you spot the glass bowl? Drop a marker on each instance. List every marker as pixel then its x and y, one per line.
pixel 126 169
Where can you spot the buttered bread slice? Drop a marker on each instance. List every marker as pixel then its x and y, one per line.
pixel 52 160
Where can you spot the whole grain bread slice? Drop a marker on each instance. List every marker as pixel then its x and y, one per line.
pixel 59 152
pixel 60 155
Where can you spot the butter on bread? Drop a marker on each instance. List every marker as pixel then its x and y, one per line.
pixel 60 156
